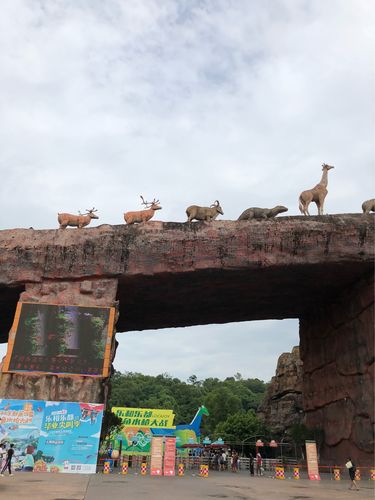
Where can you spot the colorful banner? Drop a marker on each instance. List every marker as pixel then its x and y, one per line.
pixel 156 456
pixel 135 440
pixel 52 436
pixel 50 338
pixel 139 424
pixel 312 460
pixel 169 456
pixel 145 417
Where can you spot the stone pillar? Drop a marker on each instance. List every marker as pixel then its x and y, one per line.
pixel 337 349
pixel 93 292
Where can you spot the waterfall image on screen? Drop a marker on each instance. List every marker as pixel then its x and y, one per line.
pixel 60 339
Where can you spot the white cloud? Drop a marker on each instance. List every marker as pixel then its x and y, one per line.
pixel 102 101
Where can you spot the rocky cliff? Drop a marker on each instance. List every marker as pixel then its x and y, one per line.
pixel 282 406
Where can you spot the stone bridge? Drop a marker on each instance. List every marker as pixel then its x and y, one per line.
pixel 317 269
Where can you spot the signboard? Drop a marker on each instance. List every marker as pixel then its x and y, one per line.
pixel 52 436
pixel 312 460
pixel 169 456
pixel 136 434
pixel 70 436
pixel 156 456
pixel 60 339
pixel 145 417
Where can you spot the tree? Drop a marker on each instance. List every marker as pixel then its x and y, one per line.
pixel 111 424
pixel 239 426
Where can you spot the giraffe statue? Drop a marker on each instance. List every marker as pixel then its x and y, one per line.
pixel 317 194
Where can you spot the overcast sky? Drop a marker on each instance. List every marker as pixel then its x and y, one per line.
pixel 188 101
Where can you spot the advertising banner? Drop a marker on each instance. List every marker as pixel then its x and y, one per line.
pixel 156 456
pixel 50 338
pixel 145 417
pixel 140 424
pixel 70 436
pixel 51 436
pixel 312 461
pixel 169 456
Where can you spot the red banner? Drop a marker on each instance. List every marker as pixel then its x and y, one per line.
pixel 312 461
pixel 169 456
pixel 156 456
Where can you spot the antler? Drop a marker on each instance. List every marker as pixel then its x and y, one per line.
pixel 92 210
pixel 144 202
pixel 147 203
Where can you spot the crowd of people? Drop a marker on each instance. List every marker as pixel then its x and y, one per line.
pixel 226 459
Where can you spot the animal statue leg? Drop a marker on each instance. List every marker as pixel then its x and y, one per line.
pixel 62 226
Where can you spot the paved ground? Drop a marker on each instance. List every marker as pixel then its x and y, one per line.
pixel 43 486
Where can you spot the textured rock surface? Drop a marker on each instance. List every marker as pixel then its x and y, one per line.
pixel 337 348
pixel 282 405
pixel 198 273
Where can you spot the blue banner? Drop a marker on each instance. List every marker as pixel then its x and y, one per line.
pixel 52 436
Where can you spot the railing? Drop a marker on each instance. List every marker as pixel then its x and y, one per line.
pixel 268 465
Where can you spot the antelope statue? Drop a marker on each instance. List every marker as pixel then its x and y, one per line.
pixel 78 221
pixel 142 215
pixel 317 194
pixel 204 213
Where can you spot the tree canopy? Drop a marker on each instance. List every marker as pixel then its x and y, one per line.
pixel 231 402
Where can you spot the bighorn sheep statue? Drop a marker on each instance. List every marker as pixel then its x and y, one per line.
pixel 317 194
pixel 78 221
pixel 262 213
pixel 368 206
pixel 204 213
pixel 140 216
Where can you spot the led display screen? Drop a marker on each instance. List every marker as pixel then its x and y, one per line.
pixel 61 339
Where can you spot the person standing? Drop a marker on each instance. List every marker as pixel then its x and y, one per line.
pixel 8 461
pixel 259 464
pixel 234 461
pixel 3 454
pixel 351 469
pixel 251 464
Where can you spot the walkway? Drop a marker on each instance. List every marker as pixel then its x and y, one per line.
pixel 43 486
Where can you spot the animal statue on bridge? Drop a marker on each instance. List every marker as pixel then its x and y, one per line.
pixel 204 213
pixel 262 213
pixel 78 221
pixel 317 194
pixel 140 216
pixel 368 206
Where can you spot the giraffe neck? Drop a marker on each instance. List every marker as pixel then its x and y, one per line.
pixel 324 179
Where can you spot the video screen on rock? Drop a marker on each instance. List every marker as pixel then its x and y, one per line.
pixel 49 338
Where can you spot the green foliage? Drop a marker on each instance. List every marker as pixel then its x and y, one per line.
pixel 239 426
pixel 98 339
pixel 112 424
pixel 223 398
pixel 32 329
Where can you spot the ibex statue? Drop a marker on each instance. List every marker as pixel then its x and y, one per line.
pixel 317 194
pixel 78 221
pixel 204 213
pixel 368 206
pixel 142 215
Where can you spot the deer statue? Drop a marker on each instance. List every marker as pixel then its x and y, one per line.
pixel 204 213
pixel 142 215
pixel 78 221
pixel 317 194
